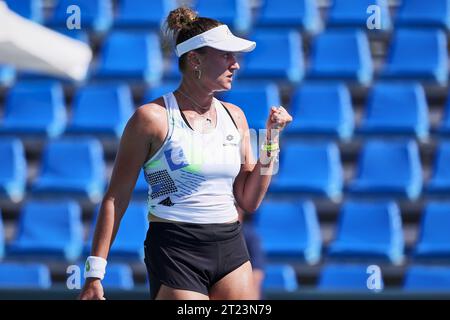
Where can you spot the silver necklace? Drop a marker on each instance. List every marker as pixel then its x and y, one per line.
pixel 207 118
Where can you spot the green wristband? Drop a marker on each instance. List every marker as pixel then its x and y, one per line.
pixel 270 147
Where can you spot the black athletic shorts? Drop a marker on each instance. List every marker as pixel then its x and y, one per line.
pixel 192 256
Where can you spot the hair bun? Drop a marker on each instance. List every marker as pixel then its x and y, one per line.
pixel 180 18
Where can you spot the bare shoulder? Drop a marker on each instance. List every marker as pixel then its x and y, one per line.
pixel 150 116
pixel 237 113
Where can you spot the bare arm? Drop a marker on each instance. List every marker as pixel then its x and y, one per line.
pixel 134 147
pixel 253 180
pixel 137 142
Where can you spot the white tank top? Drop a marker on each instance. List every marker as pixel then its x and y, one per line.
pixel 191 176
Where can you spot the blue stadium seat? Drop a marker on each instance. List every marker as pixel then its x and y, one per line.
pixel 313 168
pixel 159 90
pixel 129 240
pixel 349 278
pixel 24 276
pixel 35 108
pixel 396 108
pixel 406 62
pixel 30 9
pixel 49 229
pixel 142 61
pixel 289 230
pixel 440 180
pixel 72 166
pixel 255 99
pixel 118 276
pixel 280 277
pixel 7 75
pixel 235 13
pixel 2 238
pixel 427 278
pixel 285 65
pixel 13 169
pixel 141 187
pixel 322 109
pixel 345 13
pixel 434 238
pixel 143 13
pixel 95 15
pixel 303 14
pixel 171 71
pixel 414 13
pixel 343 55
pixel 101 109
pixel 369 230
pixel 444 127
pixel 388 168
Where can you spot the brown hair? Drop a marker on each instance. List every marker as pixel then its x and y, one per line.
pixel 183 23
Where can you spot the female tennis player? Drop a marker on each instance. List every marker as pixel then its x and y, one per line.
pixel 195 151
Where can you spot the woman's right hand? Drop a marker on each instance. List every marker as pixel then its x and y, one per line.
pixel 92 290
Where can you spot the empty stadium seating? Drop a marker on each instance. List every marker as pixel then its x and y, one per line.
pixel 434 239
pixel 310 168
pixel 255 99
pixel 269 62
pixel 388 168
pixel 13 169
pixel 371 126
pixel 141 187
pixel 444 127
pixel 50 229
pixel 413 13
pixel 322 109
pixel 427 278
pixel 24 276
pixel 396 109
pixel 368 230
pixel 440 179
pixel 404 61
pixel 118 276
pixel 72 166
pixel 29 9
pixel 142 61
pixel 290 230
pixel 7 75
pixel 2 238
pixel 301 14
pixel 280 277
pixel 341 54
pixel 349 277
pixel 129 240
pixel 142 13
pixel 35 108
pixel 235 13
pixel 345 13
pixel 158 91
pixel 101 109
pixel 97 15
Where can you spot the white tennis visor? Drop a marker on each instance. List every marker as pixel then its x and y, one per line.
pixel 219 38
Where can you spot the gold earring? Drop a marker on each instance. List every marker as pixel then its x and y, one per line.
pixel 198 73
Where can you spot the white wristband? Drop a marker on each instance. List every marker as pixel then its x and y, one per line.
pixel 95 267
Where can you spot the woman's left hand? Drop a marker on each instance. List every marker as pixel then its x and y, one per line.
pixel 278 118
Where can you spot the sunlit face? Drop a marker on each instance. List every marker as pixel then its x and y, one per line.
pixel 218 68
